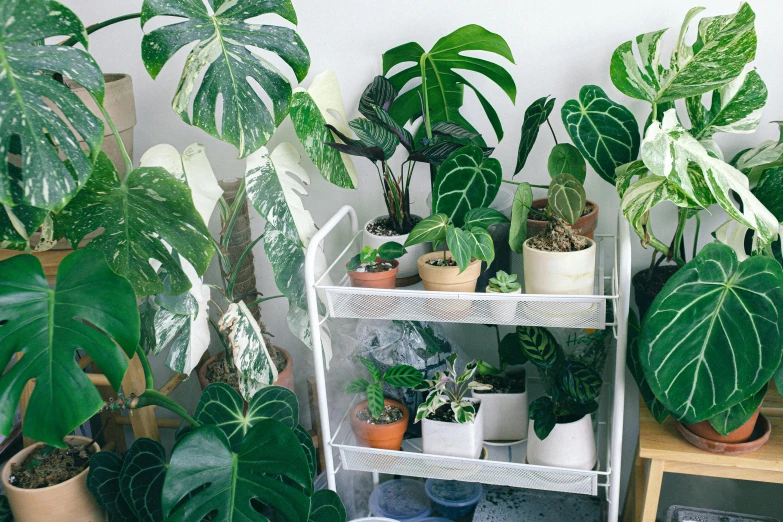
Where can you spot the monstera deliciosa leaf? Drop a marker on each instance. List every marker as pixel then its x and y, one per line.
pixel 712 337
pixel 29 127
pixel 442 87
pixel 140 215
pixel 90 309
pixel 226 54
pixel 605 132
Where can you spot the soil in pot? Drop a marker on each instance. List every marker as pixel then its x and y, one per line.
pixel 648 283
pixel 502 383
pixel 384 227
pixel 446 414
pixel 559 238
pixel 589 209
pixel 220 371
pixel 442 262
pixel 379 274
pixel 48 466
pixel 584 226
pixel 390 414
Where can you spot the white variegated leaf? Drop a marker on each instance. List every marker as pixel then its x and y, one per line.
pixel 712 148
pixel 299 324
pixel 765 152
pixel 734 235
pixel 643 195
pixel 251 358
pixel 736 107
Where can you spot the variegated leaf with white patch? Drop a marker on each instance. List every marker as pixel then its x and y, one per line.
pixel 736 236
pixel 766 152
pixel 645 194
pixel 251 358
pixel 299 324
pixel 226 54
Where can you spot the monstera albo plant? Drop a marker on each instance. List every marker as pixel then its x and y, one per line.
pixel 230 462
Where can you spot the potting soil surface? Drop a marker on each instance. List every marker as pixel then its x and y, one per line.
pixel 505 504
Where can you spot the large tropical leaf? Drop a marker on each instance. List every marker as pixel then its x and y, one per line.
pixel 730 420
pixel 442 87
pixel 712 337
pixel 764 153
pixel 645 194
pixel 222 53
pixel 48 325
pixel 141 479
pixel 605 132
pixel 311 111
pixel 539 346
pixel 29 127
pixel 520 208
pixel 465 181
pixel 326 506
pixel 103 482
pixel 142 216
pixel 535 116
pixel 567 198
pixel 725 44
pixel 657 409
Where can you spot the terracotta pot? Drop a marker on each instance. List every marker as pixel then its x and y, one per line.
pixel 760 435
pixel 379 436
pixel 584 226
pixel 448 278
pixel 705 430
pixel 408 273
pixel 284 378
pixel 385 279
pixel 69 500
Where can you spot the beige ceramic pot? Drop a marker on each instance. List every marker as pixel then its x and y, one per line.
pixel 69 500
pixel 448 278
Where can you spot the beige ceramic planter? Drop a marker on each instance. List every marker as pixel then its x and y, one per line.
pixel 448 278
pixel 69 500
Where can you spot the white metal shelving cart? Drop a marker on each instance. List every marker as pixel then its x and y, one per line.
pixel 504 465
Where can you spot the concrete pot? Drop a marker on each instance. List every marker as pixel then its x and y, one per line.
pixel 69 500
pixel 453 439
pixel 505 415
pixel 284 378
pixel 584 226
pixel 448 278
pixel 569 445
pixel 503 311
pixel 380 436
pixel 407 263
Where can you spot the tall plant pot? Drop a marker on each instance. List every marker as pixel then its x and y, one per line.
pixel 505 415
pixel 380 436
pixel 584 226
pixel 569 445
pixel 408 271
pixel 285 378
pixel 69 500
pixel 453 439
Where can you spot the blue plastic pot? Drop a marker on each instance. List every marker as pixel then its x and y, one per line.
pixel 451 498
pixel 403 500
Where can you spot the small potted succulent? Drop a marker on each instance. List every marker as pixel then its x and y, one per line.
pixel 560 433
pixel 379 422
pixel 376 267
pixel 451 423
pixel 503 283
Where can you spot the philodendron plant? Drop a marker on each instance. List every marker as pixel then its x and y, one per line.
pixel 449 387
pixel 400 376
pixel 229 462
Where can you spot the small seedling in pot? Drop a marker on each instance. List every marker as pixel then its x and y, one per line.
pixel 400 376
pixel 504 283
pixel 376 259
pixel 448 388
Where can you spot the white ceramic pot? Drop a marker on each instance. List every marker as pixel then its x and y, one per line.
pixel 408 267
pixel 569 445
pixel 453 439
pixel 505 310
pixel 505 415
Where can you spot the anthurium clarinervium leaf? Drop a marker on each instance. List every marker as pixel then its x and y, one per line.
pixel 520 208
pixel 657 409
pixel 103 482
pixel 730 420
pixel 442 87
pixel 138 214
pixel 605 132
pixel 141 479
pixel 724 45
pixel 712 337
pixel 222 53
pixel 535 116
pixel 461 246
pixel 46 326
pixel 326 506
pixel 567 197
pixel 465 181
pixel 566 159
pixel 28 122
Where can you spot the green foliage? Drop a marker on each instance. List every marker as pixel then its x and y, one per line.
pixel 504 283
pixel 520 208
pixel 400 376
pixel 567 198
pixel 730 420
pixel 566 159
pixel 535 116
pixel 632 361
pixel 388 251
pixel 449 387
pixel 90 309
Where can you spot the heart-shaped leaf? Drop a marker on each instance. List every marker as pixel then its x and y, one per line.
pixel 141 479
pixel 605 132
pixel 566 159
pixel 711 338
pixel 483 217
pixel 326 506
pixel 567 197
pixel 432 228
pixel 461 246
pixel 520 208
pixel 483 247
pixel 582 383
pixel 28 124
pixel 732 419
pixel 222 54
pixel 539 346
pixel 542 413
pixel 657 409
pixel 403 376
pixel 48 326
pixel 103 482
pixel 535 116
pixel 465 181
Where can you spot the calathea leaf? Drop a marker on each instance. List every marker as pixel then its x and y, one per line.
pixel 483 217
pixel 539 346
pixel 222 53
pixel 732 419
pixel 465 181
pixel 542 413
pixel 724 46
pixel 566 159
pixel 605 132
pixel 374 399
pixel 373 134
pixel 142 216
pixel 567 197
pixel 378 95
pixel 523 201
pixel 356 386
pixel 28 122
pixel 509 350
pixel 326 506
pixel 582 383
pixel 712 336
pixel 460 245
pixel 403 376
pixel 375 372
pixel 48 326
pixel 384 118
pixel 657 409
pixel 311 111
pixel 437 153
pixel 141 479
pixel 103 482
pixel 452 130
pixel 535 116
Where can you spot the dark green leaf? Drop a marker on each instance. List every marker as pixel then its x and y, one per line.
pixel 355 262
pixel 391 250
pixel 566 159
pixel 567 197
pixel 48 326
pixel 461 246
pixel 465 181
pixel 437 153
pixel 535 116
pixel 375 373
pixel 326 506
pixel 391 125
pixel 374 399
pixel 523 202
pixel 141 479
pixel 542 413
pixel 582 383
pixel 452 130
pixel 5 510
pixel 306 441
pixel 103 482
pixel 355 147
pixel 356 386
pixel 375 135
pixel 510 352
pixel 483 217
pixel 432 228
pixel 732 419
pixel 378 95
pixel 769 191
pixel 539 346
pixel 485 368
pixel 403 376
pixel 657 409
pixel 482 246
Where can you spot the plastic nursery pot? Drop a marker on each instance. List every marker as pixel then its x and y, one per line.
pixel 505 415
pixel 284 378
pixel 584 226
pixel 386 279
pixel 451 498
pixel 569 445
pixel 448 278
pixel 705 430
pixel 69 500
pixel 379 436
pixel 453 439
pixel 402 500
pixel 505 310
pixel 408 271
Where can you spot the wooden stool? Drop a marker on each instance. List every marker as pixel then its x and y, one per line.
pixel 668 452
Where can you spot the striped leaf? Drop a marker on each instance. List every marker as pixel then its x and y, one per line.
pixel 736 107
pixel 403 376
pixel 523 201
pixel 580 382
pixel 542 413
pixel 605 132
pixel 730 420
pixel 657 409
pixel 535 116
pixel 405 137
pixel 539 346
pixel 373 134
pixel 483 218
pixel 222 55
pixel 712 337
pixel 567 197
pixel 432 228
pixel 452 130
pixel 465 181
pixel 356 386
pixel 437 153
pixel 644 195
pixel 566 159
pixel 725 44
pixel 374 399
pixel 375 373
pixel 483 247
pixel 378 95
pixel 460 245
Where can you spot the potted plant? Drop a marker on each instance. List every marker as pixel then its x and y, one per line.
pixel 560 433
pixel 505 402
pixel 503 283
pixel 452 424
pixel 375 268
pixel 379 422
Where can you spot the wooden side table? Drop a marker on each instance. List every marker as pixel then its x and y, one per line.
pixel 668 452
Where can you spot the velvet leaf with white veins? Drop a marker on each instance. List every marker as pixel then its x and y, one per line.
pixel 226 53
pixel 466 180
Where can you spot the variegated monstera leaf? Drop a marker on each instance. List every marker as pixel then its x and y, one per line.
pixel 32 135
pixel 226 54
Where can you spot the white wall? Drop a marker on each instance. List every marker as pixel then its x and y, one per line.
pixel 558 45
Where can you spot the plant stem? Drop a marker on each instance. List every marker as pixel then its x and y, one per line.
pixel 264 299
pixel 125 158
pixel 427 122
pixel 236 208
pixel 510 182
pixel 238 266
pixel 696 235
pixel 552 131
pixel 155 398
pixel 654 111
pixel 676 250
pixel 149 383
pixel 97 27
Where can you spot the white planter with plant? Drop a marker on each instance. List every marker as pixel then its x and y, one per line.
pixel 371 238
pixel 503 283
pixel 452 425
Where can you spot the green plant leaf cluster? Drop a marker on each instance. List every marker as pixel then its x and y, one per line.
pixel 449 387
pixel 399 376
pixel 388 251
pixel 504 283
